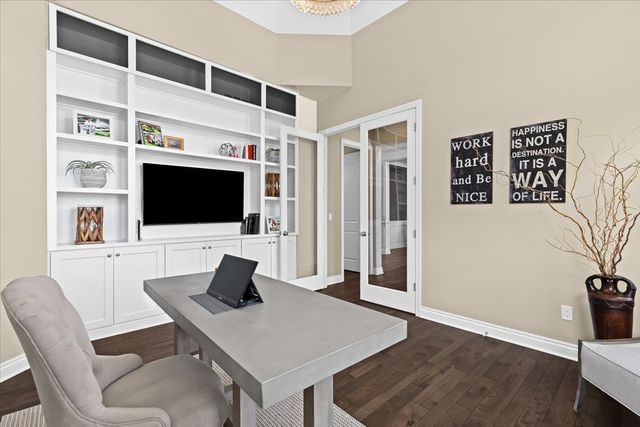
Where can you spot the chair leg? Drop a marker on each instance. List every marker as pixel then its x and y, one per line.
pixel 580 393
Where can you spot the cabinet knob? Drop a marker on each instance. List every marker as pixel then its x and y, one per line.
pixel 209 247
pixel 204 247
pixel 117 254
pixel 108 255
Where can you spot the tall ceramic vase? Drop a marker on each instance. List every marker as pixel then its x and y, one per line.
pixel 611 308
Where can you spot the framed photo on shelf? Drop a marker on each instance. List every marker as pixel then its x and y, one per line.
pixel 150 134
pixel 92 123
pixel 273 224
pixel 173 142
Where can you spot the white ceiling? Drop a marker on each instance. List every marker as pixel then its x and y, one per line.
pixel 280 16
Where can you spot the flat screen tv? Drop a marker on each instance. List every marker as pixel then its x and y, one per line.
pixel 186 195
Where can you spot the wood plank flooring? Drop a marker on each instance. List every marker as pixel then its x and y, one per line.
pixel 394 266
pixel 438 376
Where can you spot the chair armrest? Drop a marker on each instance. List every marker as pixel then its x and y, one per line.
pixel 138 417
pixel 115 367
pixel 614 341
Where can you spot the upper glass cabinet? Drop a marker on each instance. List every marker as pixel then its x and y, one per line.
pixel 82 37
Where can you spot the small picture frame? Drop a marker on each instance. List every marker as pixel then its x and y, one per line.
pixel 173 142
pixel 150 134
pixel 91 123
pixel 273 224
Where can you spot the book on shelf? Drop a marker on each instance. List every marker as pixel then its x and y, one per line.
pixel 250 151
pixel 251 224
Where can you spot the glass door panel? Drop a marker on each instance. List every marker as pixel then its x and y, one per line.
pixel 387 209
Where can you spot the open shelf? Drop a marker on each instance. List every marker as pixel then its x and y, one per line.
pixel 87 190
pixel 180 153
pixel 101 104
pixel 86 139
pixel 183 121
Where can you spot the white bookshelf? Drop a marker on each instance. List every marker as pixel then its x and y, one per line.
pixel 122 85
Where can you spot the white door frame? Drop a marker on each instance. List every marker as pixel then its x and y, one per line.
pixel 317 281
pixel 417 105
pixel 356 145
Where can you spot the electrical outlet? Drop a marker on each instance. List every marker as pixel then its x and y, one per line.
pixel 566 312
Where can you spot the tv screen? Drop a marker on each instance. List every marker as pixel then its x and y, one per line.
pixel 185 195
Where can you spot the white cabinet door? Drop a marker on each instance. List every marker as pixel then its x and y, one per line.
pixel 86 277
pixel 259 250
pixel 186 258
pixel 218 248
pixel 133 265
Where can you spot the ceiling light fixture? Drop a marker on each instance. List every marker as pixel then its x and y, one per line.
pixel 324 7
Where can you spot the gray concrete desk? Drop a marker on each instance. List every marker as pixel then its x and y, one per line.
pixel 297 340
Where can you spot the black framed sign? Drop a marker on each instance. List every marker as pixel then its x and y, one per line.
pixel 538 163
pixel 471 169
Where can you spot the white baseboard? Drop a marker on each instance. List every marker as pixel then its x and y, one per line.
pixel 14 366
pixel 525 339
pixel 332 280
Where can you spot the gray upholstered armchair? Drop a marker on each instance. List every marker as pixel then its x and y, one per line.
pixel 79 388
pixel 614 367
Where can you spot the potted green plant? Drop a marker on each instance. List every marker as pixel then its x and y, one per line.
pixel 92 174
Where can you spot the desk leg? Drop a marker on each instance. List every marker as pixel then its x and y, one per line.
pixel 244 408
pixel 318 404
pixel 206 359
pixel 181 341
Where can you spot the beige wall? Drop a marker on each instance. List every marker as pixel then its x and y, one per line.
pixel 488 67
pixel 23 228
pixel 300 60
pixel 202 28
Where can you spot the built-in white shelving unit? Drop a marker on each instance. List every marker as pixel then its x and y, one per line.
pixel 101 69
pixel 98 68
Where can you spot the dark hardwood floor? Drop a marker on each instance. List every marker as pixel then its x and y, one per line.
pixel 394 267
pixel 438 376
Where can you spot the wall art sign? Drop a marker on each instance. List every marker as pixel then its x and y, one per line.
pixel 538 163
pixel 471 169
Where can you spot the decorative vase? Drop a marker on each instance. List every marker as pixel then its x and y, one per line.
pixel 611 309
pixel 94 178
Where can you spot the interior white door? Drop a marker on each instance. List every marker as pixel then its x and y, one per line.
pixel 186 258
pixel 132 266
pixel 388 278
pixel 351 219
pixel 302 207
pixel 86 278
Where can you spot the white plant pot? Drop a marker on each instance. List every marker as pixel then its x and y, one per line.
pixel 93 178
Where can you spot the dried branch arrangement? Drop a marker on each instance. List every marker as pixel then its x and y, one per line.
pixel 601 222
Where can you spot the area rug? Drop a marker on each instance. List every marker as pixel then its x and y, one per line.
pixel 285 413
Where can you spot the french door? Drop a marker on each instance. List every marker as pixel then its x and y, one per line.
pixel 302 204
pixel 387 211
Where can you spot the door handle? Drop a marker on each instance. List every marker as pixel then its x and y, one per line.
pixel 363 233
pixel 285 233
